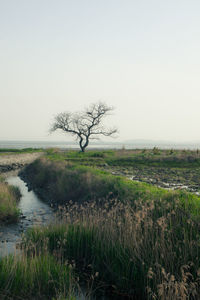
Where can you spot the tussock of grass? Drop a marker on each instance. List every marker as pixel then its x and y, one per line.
pixel 40 277
pixel 9 195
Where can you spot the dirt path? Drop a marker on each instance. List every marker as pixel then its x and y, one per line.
pixel 14 162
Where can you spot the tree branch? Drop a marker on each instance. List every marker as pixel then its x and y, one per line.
pixel 84 124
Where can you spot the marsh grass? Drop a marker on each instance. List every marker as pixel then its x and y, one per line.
pixel 62 182
pixel 41 277
pixel 136 158
pixel 155 166
pixel 9 196
pixel 136 240
pixel 149 251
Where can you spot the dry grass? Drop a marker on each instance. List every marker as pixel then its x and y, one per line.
pixel 149 251
pixel 143 245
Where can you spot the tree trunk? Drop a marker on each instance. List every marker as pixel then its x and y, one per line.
pixel 82 148
pixel 85 145
pixel 80 144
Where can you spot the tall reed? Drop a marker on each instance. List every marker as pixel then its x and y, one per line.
pixel 149 251
pixel 39 277
pixel 9 196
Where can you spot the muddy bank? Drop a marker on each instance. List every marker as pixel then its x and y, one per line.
pixel 14 162
pixel 41 192
pixel 168 178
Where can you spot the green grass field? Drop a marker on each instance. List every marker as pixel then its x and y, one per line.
pixel 144 157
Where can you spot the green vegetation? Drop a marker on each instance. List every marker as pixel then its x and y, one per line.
pixel 62 182
pixel 150 251
pixel 130 238
pixel 155 157
pixel 164 168
pixel 9 195
pixel 91 158
pixel 41 277
pixel 138 240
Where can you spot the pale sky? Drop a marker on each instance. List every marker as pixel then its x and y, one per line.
pixel 142 57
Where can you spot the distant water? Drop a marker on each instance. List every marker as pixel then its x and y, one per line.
pixel 62 145
pixel 116 145
pixel 34 144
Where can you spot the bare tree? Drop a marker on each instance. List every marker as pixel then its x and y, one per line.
pixel 85 125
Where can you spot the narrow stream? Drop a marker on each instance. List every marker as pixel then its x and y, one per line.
pixel 34 212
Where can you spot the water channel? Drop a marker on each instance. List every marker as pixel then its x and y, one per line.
pixel 34 212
